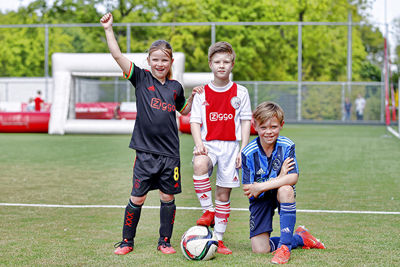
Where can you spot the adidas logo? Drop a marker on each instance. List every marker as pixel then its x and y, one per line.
pixel 205 103
pixel 204 197
pixel 286 230
pixel 151 88
pixel 224 221
pixel 235 179
pixel 260 172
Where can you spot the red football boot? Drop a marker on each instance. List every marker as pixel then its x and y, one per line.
pixel 308 239
pixel 207 219
pixel 123 247
pixel 165 246
pixel 222 249
pixel 281 255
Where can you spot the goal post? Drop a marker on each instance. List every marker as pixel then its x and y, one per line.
pixel 67 65
pixel 389 128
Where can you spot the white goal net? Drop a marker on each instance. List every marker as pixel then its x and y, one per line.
pixel 66 107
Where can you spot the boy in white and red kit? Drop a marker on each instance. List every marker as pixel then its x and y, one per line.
pixel 220 119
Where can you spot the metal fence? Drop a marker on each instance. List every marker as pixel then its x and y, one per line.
pixel 314 102
pixel 318 102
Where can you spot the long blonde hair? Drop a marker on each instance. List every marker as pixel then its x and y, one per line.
pixel 166 48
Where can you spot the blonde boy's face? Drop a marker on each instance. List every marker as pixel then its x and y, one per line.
pixel 269 131
pixel 221 65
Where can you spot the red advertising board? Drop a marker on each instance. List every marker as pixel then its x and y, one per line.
pixel 102 111
pixel 24 122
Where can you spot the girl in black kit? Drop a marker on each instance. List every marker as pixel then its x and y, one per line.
pixel 155 137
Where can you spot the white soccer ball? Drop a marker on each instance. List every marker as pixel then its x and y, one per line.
pixel 199 243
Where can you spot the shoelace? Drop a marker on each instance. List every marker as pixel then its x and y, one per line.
pixel 165 244
pixel 122 244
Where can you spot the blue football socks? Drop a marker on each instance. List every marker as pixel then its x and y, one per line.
pixel 287 222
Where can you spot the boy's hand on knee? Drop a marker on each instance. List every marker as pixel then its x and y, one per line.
pixel 200 150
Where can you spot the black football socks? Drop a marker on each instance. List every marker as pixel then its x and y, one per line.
pixel 131 219
pixel 167 218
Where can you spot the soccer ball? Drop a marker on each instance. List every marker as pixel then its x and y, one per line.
pixel 199 243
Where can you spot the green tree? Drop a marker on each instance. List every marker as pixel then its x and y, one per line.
pixel 263 52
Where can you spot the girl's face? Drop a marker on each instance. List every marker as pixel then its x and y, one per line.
pixel 160 64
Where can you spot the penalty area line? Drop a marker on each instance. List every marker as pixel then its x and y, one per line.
pixel 193 208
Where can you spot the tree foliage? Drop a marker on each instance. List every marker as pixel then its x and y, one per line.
pixel 263 52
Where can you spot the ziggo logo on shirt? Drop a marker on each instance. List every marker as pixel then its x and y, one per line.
pixel 158 104
pixel 215 116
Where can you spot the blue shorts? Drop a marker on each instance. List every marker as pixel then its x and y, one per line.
pixel 153 171
pixel 262 211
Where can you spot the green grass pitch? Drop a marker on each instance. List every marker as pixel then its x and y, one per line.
pixel 343 168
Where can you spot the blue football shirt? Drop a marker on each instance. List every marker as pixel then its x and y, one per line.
pixel 257 167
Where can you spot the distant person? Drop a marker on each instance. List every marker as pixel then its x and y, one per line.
pixel 31 104
pixel 155 137
pixel 347 108
pixel 117 112
pixel 269 175
pixel 38 101
pixel 360 106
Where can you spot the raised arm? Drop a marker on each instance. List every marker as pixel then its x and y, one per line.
pixel 124 63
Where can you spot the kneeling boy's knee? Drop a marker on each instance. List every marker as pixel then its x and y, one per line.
pixel 286 194
pixel 260 250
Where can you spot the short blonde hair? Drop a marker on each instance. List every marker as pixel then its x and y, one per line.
pixel 267 110
pixel 221 47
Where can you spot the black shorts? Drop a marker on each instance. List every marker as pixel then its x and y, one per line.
pixel 153 171
pixel 262 211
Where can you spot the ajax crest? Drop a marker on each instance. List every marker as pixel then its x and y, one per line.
pixel 235 102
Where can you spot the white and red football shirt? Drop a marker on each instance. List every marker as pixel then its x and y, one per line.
pixel 219 110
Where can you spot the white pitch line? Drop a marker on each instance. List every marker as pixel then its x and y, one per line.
pixel 194 208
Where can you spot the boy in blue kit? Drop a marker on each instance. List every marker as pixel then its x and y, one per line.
pixel 270 172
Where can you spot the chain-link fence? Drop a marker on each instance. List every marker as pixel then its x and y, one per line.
pixel 318 101
pixel 309 102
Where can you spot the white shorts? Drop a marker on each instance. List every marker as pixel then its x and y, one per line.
pixel 224 154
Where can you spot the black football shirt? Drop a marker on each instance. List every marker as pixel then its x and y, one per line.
pixel 155 128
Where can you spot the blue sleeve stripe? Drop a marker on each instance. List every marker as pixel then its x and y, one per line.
pixel 257 165
pixel 245 170
pixel 286 141
pixel 250 147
